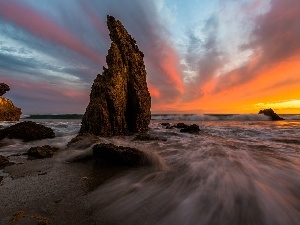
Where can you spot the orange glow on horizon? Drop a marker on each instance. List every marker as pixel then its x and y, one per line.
pixel 276 87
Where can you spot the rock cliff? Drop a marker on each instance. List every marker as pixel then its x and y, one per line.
pixel 8 112
pixel 119 101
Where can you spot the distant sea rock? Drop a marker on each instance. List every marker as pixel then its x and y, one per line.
pixel 27 131
pixel 8 112
pixel 270 113
pixel 119 101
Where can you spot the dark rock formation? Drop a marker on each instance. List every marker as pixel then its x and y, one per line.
pixel 119 101
pixel 41 152
pixel 3 88
pixel 271 114
pixel 192 129
pixel 181 125
pixel 120 155
pixel 8 112
pixel 4 162
pixel 27 131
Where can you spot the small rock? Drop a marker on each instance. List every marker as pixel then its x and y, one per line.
pixel 120 155
pixel 4 162
pixel 165 124
pixel 18 216
pixel 271 114
pixel 192 129
pixel 41 152
pixel 27 131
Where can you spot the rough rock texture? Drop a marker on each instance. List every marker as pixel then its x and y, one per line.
pixel 120 155
pixel 8 112
pixel 27 131
pixel 41 152
pixel 271 114
pixel 119 101
pixel 3 88
pixel 4 162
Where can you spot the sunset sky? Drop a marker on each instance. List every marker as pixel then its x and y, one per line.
pixel 201 56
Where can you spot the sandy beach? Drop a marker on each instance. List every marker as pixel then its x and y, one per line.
pixel 49 191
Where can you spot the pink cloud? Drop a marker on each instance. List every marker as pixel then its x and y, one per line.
pixel 43 27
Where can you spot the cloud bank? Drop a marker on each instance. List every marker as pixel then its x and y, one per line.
pixel 50 52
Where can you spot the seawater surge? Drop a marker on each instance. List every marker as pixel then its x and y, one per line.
pixel 233 172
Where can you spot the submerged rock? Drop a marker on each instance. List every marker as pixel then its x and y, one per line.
pixel 124 156
pixel 83 141
pixel 41 152
pixel 27 131
pixel 271 114
pixel 147 137
pixel 3 88
pixel 119 101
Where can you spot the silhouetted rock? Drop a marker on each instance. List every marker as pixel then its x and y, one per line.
pixel 192 129
pixel 271 114
pixel 181 125
pixel 119 101
pixel 4 162
pixel 3 88
pixel 27 131
pixel 120 155
pixel 41 152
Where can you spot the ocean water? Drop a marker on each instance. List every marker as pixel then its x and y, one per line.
pixel 240 169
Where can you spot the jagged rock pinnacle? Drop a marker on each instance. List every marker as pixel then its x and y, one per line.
pixel 119 101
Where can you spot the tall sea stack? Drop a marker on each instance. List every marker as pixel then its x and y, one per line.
pixel 119 101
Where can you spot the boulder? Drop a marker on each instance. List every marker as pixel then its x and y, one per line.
pixel 27 131
pixel 4 162
pixel 8 112
pixel 271 114
pixel 192 129
pixel 3 88
pixel 41 152
pixel 119 155
pixel 119 100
